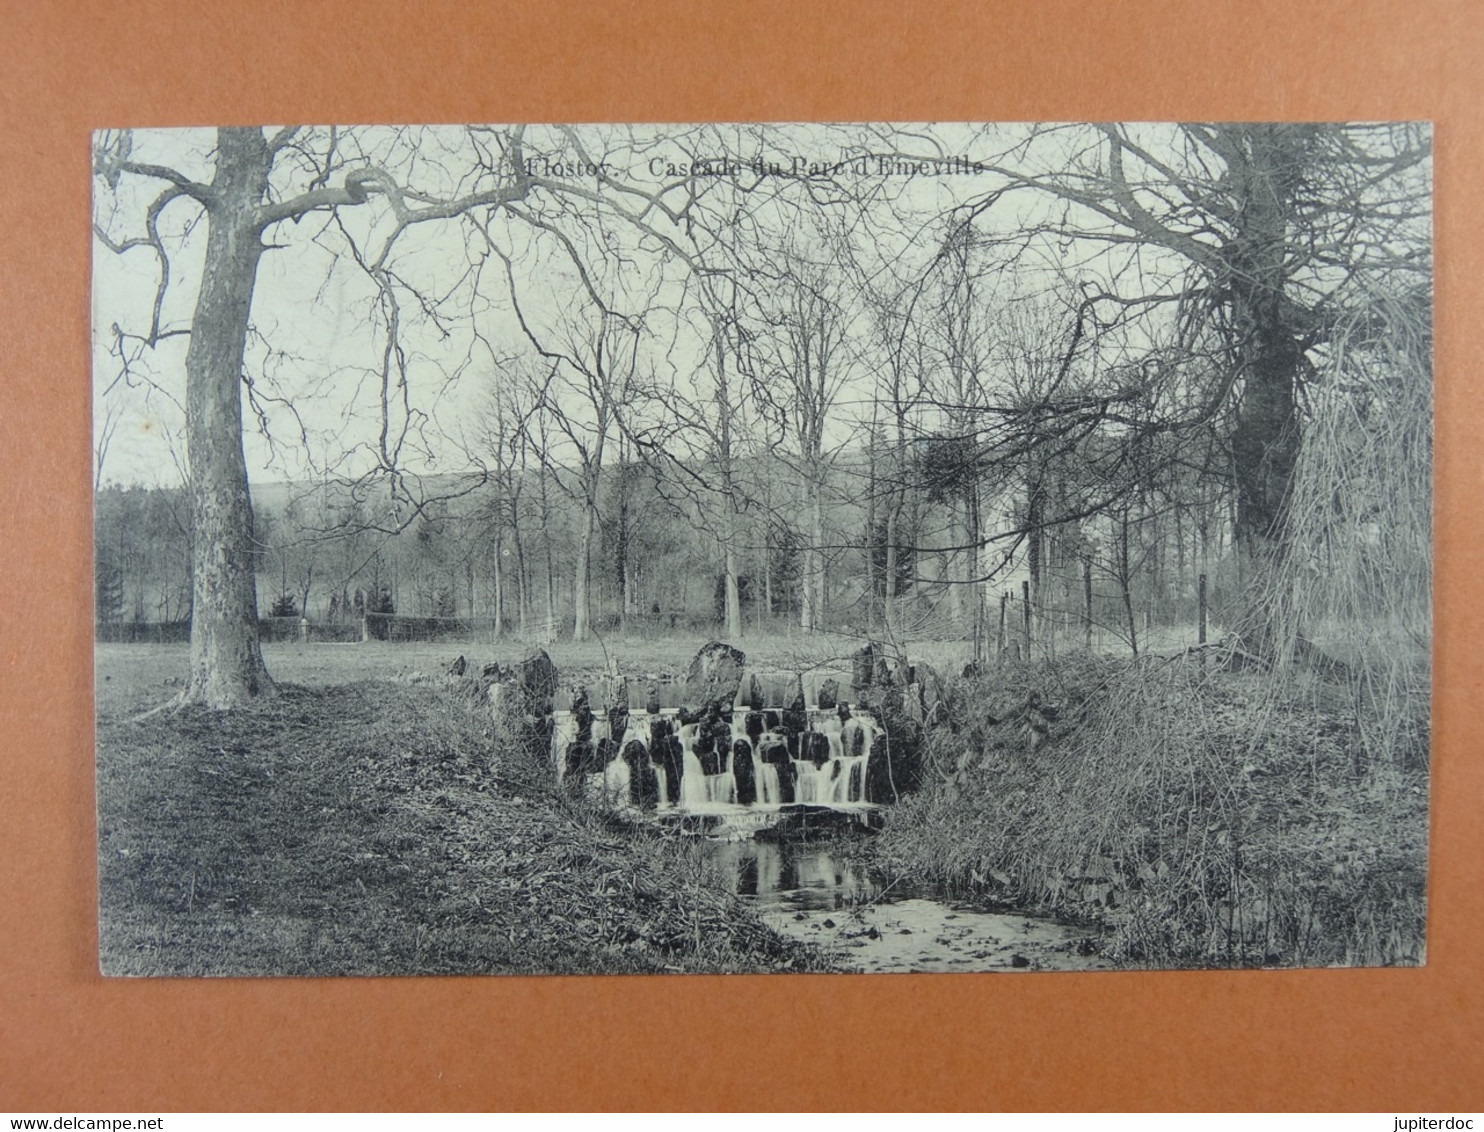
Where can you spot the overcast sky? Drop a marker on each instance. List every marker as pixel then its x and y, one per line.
pixel 318 347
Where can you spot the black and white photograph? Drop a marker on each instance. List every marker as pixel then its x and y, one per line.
pixel 746 548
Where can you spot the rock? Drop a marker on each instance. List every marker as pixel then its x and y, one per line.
pixel 715 675
pixel 799 700
pixel 754 723
pixel 776 754
pixel 814 748
pixel 794 720
pixel 665 750
pixel 752 693
pixel 457 667
pixel 829 693
pixel 772 691
pixel 742 772
pixel 618 717
pixel 537 677
pixel 582 714
pixel 713 744
pixel 644 783
pixel 885 673
pixel 863 666
pixel 1018 960
pixel 581 760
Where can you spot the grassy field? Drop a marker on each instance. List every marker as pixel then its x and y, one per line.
pixel 129 675
pixel 358 824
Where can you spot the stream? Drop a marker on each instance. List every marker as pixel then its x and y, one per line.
pixel 811 891
pixel 777 791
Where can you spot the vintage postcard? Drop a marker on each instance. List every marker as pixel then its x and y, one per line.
pixel 745 548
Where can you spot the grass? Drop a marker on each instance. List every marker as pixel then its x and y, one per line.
pixel 127 675
pixel 1200 818
pixel 356 825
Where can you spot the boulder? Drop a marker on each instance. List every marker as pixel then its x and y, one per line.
pixel 713 744
pixel 582 713
pixel 644 783
pixel 814 748
pixel 775 754
pixel 771 691
pixel 537 677
pixel 752 693
pixel 885 673
pixel 666 752
pixel 715 676
pixel 798 699
pixel 742 772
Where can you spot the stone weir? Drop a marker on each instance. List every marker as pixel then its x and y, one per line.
pixel 723 738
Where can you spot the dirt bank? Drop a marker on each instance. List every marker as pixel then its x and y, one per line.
pixel 371 828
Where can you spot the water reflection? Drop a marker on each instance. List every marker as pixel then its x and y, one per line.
pixel 800 876
pixel 812 891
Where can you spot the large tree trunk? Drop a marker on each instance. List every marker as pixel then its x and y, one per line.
pixel 226 667
pixel 1268 356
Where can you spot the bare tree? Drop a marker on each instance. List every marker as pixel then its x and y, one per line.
pixel 1258 232
pixel 245 202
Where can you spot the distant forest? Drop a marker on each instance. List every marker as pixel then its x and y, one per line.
pixel 505 554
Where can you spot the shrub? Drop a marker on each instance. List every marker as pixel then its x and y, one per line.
pixel 1200 817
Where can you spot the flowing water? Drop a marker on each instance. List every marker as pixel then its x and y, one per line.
pixel 728 777
pixel 661 759
pixel 810 891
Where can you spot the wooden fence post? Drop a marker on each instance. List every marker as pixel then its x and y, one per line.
pixel 1201 611
pixel 1025 594
pixel 1087 598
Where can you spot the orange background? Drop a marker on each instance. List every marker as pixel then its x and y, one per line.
pixel 1384 1040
